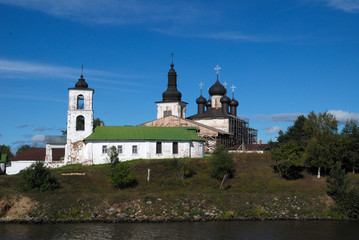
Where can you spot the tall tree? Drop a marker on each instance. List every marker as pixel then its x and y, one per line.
pixel 6 150
pixel 350 138
pixel 321 150
pixel 97 122
pixel 21 149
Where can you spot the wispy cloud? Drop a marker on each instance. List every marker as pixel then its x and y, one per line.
pixel 343 116
pixel 19 142
pixel 38 138
pixel 23 126
pixel 124 12
pixel 280 117
pixel 272 130
pixel 42 129
pixel 344 5
pixel 26 69
pixel 0 135
pixel 30 97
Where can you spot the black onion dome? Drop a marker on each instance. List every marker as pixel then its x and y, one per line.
pixel 217 89
pixel 225 99
pixel 81 83
pixel 172 94
pixel 201 100
pixel 233 102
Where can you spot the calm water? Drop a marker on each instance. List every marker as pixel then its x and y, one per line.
pixel 277 230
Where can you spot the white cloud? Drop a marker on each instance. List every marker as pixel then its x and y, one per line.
pixel 42 128
pixel 24 69
pixel 280 117
pixel 272 130
pixel 122 12
pixel 343 116
pixel 344 5
pixel 39 138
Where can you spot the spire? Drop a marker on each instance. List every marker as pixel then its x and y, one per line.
pixel 81 82
pixel 172 94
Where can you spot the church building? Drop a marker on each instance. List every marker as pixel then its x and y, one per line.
pixel 216 119
pixel 86 145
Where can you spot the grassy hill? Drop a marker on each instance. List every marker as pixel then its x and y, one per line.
pixel 255 191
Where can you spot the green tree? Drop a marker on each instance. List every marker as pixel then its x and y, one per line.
pixel 113 156
pixel 322 148
pixel 346 197
pixel 38 177
pixel 23 148
pixel 221 163
pixel 295 133
pixel 350 138
pixel 97 122
pixel 122 176
pixel 288 160
pixel 6 150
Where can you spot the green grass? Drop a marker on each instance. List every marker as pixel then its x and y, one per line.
pixel 254 190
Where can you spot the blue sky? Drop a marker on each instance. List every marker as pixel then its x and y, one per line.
pixel 285 57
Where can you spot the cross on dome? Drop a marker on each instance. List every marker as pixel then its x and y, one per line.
pixel 217 68
pixel 201 84
pixel 233 87
pixel 225 84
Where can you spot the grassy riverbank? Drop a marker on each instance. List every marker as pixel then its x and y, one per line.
pixel 255 191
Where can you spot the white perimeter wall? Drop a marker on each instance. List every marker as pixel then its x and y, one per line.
pixel 145 150
pixel 17 166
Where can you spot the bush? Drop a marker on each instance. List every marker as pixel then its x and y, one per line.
pixel 122 176
pixel 38 177
pixel 184 167
pixel 221 163
pixel 346 198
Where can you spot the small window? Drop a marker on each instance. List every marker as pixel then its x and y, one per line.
pixel 175 147
pixel 80 102
pixel 167 113
pixel 119 149
pixel 104 149
pixel 80 123
pixel 134 149
pixel 158 147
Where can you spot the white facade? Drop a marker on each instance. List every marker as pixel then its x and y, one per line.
pixel 96 151
pixel 219 123
pixel 17 166
pixel 216 101
pixel 79 122
pixel 165 109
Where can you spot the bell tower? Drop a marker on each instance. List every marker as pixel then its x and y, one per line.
pixel 171 103
pixel 79 119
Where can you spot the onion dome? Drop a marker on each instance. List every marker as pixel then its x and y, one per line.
pixel 225 99
pixel 172 94
pixel 208 103
pixel 201 100
pixel 81 83
pixel 217 89
pixel 233 102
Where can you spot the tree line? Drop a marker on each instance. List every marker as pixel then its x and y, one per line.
pixel 314 142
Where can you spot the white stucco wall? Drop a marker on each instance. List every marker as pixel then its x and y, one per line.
pixel 178 109
pixel 17 166
pixel 221 124
pixel 145 150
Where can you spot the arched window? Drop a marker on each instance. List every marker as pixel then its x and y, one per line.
pixel 80 102
pixel 80 123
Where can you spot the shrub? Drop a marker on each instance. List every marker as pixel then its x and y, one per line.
pixel 122 176
pixel 38 177
pixel 346 198
pixel 221 163
pixel 184 167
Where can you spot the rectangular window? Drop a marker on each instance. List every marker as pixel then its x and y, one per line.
pixel 134 149
pixel 119 149
pixel 175 147
pixel 104 149
pixel 167 113
pixel 158 147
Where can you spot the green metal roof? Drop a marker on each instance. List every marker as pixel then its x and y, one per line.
pixel 144 133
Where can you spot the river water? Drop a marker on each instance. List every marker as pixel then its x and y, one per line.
pixel 276 230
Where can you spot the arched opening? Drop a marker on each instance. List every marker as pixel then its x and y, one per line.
pixel 80 102
pixel 80 123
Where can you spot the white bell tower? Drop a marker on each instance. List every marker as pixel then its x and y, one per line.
pixel 79 120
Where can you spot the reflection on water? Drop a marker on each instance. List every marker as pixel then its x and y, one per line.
pixel 207 230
